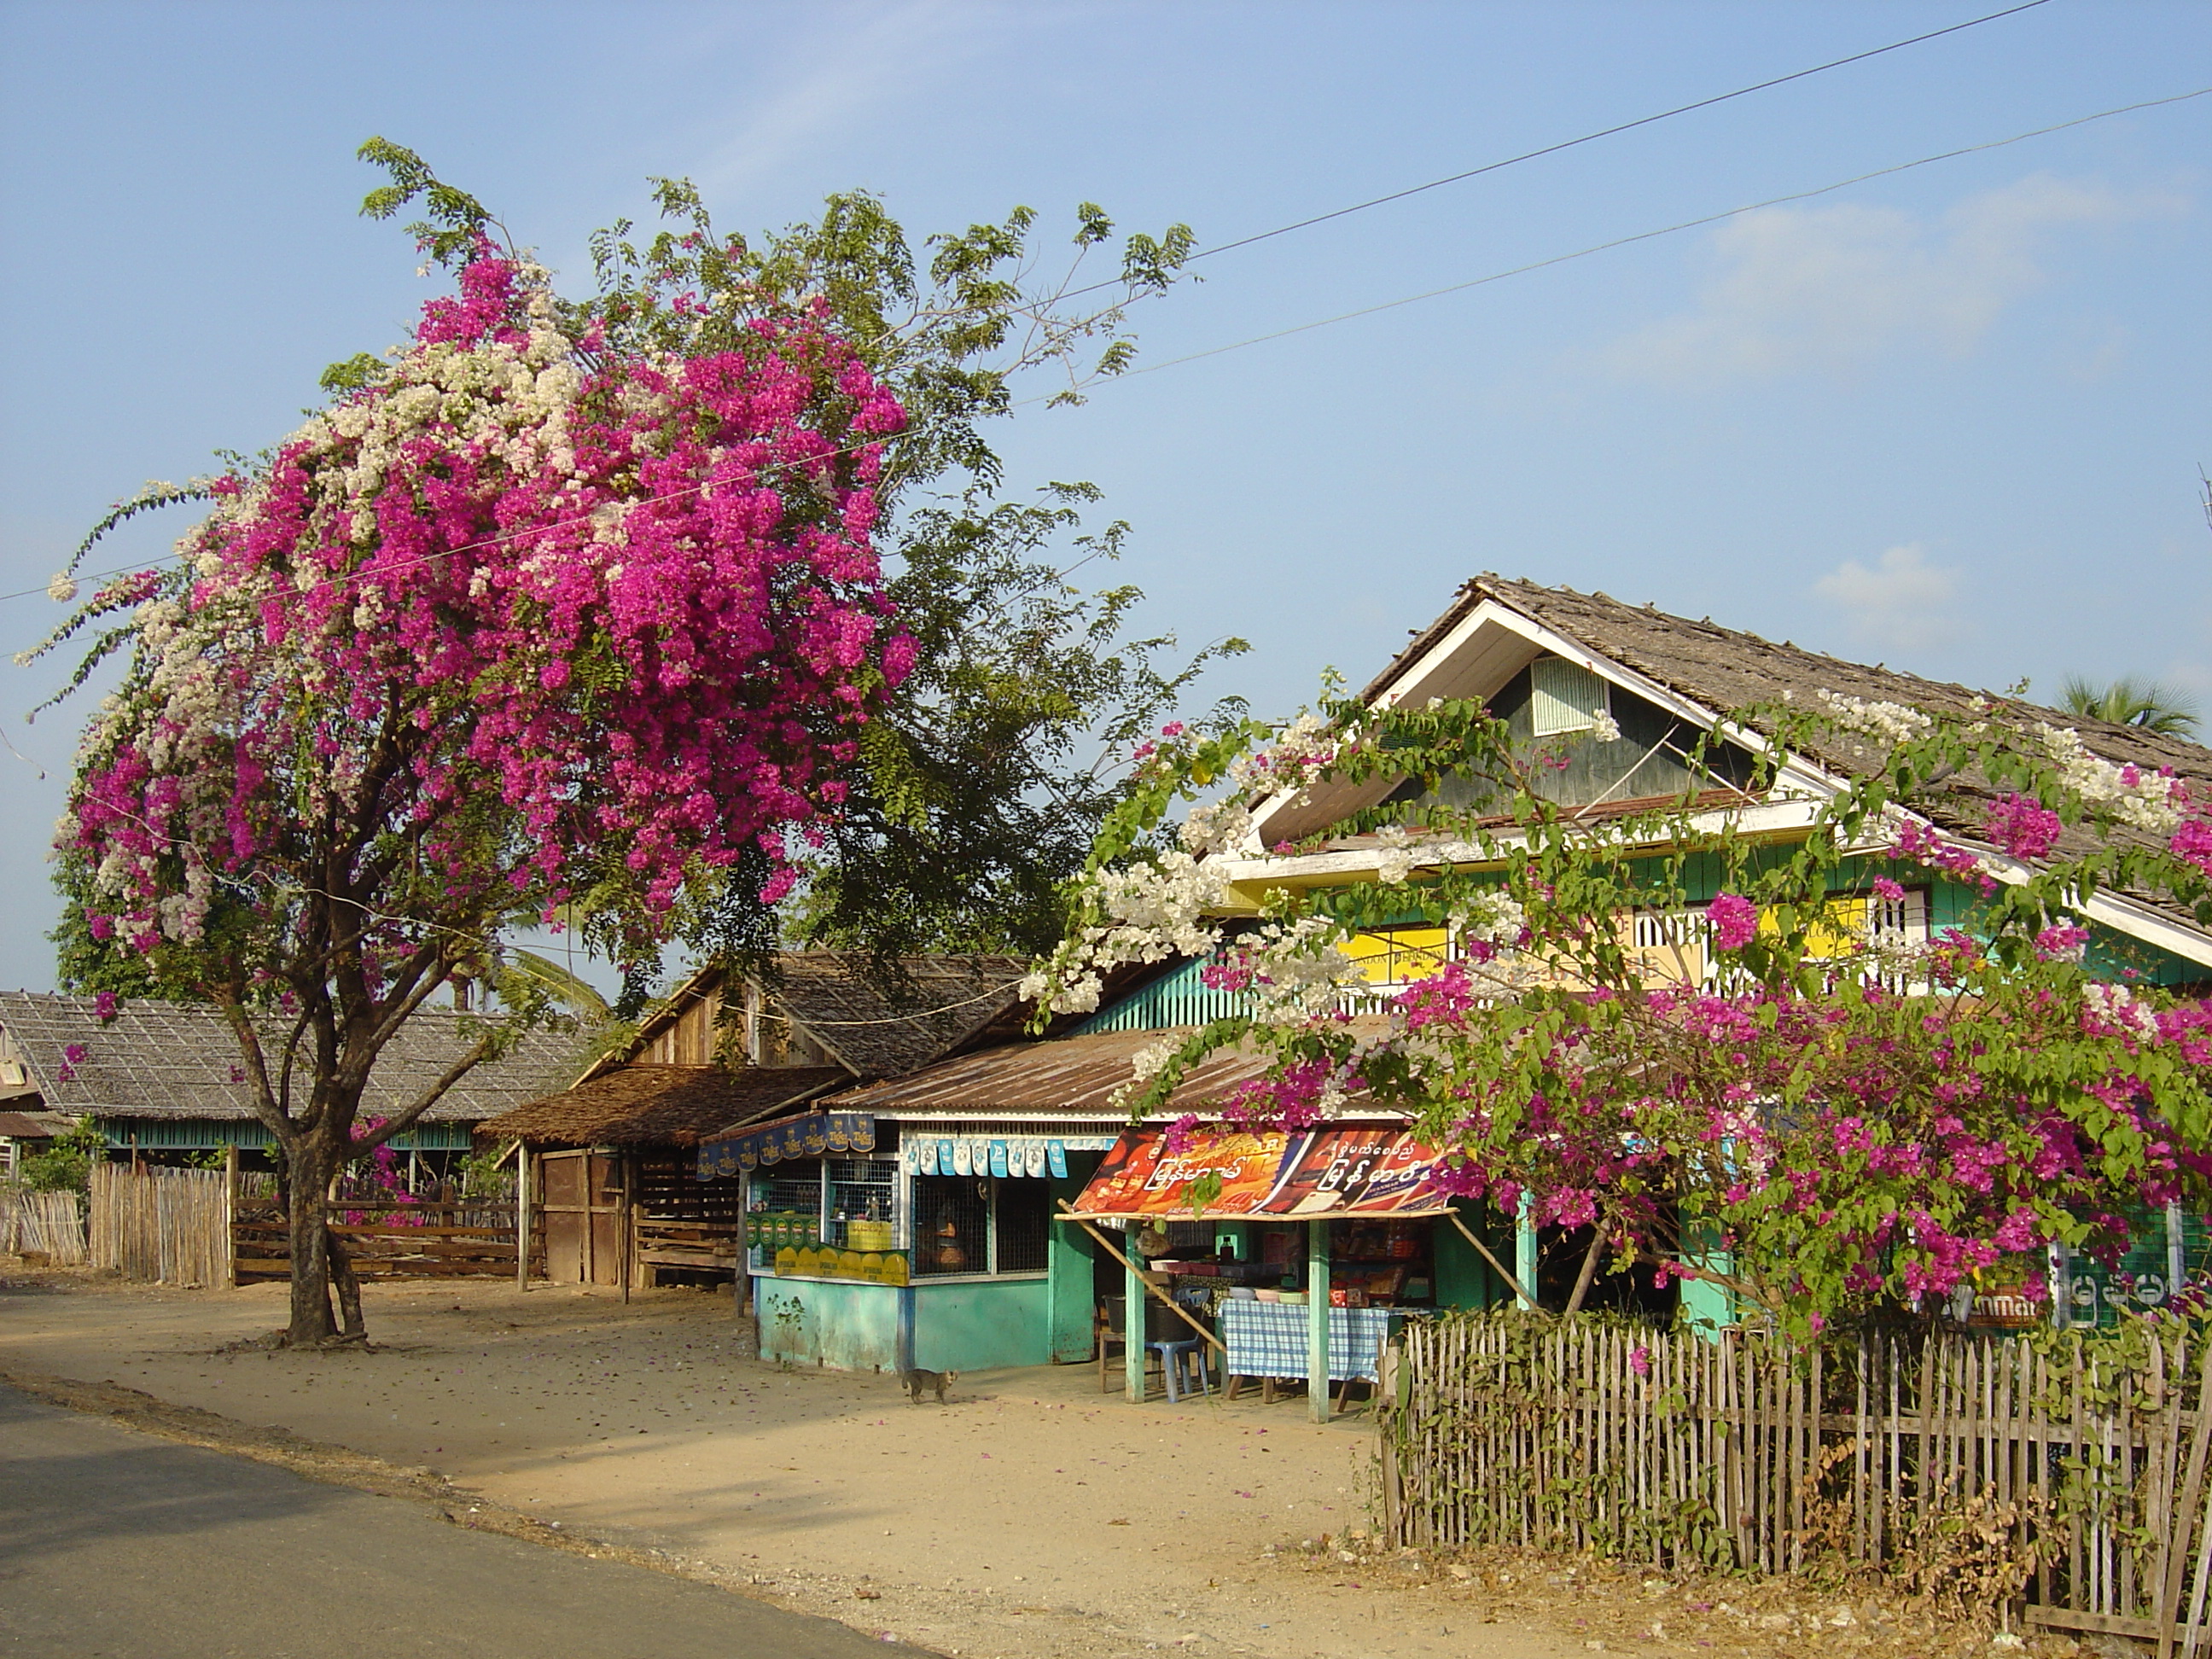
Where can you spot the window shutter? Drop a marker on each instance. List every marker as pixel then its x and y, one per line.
pixel 1563 696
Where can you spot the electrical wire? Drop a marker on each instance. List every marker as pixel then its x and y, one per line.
pixel 1648 235
pixel 1278 334
pixel 1587 138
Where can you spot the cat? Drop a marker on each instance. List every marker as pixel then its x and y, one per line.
pixel 916 1380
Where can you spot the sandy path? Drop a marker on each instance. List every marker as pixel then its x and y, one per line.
pixel 1030 1518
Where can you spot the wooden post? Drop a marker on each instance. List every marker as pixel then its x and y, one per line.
pixel 230 1213
pixel 1164 1298
pixel 1134 1319
pixel 1317 1320
pixel 522 1215
pixel 628 1228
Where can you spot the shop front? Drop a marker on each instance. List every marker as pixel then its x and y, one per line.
pixel 1322 1241
pixel 890 1244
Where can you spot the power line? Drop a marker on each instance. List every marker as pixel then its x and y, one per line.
pixel 1648 235
pixel 1278 334
pixel 1587 138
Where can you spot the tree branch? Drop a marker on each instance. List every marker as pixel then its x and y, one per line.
pixel 400 1122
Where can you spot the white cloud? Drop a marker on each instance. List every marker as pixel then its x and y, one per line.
pixel 1826 287
pixel 853 65
pixel 1900 601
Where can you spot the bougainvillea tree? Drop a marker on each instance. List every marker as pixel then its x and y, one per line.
pixel 1750 1088
pixel 572 608
pixel 521 620
pixel 979 784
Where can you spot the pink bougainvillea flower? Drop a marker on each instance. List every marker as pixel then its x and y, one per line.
pixel 556 621
pixel 2023 826
pixel 1734 921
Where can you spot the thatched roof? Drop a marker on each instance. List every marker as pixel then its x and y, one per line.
pixel 179 1060
pixel 876 1025
pixel 660 1105
pixel 883 1031
pixel 1726 671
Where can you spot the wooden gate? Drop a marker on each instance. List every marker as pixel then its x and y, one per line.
pixel 581 1197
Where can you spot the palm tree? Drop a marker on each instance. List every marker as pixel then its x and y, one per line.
pixel 2128 701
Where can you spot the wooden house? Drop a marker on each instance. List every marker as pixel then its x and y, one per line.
pixel 1550 662
pixel 613 1158
pixel 162 1080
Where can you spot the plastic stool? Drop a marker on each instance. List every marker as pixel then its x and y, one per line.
pixel 1172 1356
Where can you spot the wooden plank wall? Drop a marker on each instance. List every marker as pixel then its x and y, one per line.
pixel 2073 1469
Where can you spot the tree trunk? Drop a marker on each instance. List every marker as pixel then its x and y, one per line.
pixel 1589 1268
pixel 307 1222
pixel 356 1329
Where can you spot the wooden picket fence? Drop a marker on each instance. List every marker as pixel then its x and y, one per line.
pixel 160 1225
pixel 51 1224
pixel 2062 1476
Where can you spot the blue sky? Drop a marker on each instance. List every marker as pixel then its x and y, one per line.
pixel 1950 419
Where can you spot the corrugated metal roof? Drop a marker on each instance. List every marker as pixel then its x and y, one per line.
pixel 179 1059
pixel 1077 1076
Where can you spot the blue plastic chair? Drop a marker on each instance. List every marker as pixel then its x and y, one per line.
pixel 1172 1356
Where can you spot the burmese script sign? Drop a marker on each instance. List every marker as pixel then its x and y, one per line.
pixel 1337 1170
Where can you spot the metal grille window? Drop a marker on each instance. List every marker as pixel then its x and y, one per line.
pixel 951 1224
pixel 789 1189
pixel 976 1225
pixel 862 1204
pixel 1024 1226
pixel 1563 696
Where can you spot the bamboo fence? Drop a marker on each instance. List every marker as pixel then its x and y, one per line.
pixel 160 1225
pixel 2062 1475
pixel 48 1224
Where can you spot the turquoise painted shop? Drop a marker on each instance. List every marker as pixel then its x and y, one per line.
pixel 886 1242
pixel 925 1221
pixel 934 1236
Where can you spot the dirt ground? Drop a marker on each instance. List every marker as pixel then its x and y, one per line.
pixel 1031 1517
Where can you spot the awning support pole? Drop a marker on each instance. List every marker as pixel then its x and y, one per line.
pixel 1134 1322
pixel 1521 1296
pixel 1524 1251
pixel 1145 1284
pixel 1317 1320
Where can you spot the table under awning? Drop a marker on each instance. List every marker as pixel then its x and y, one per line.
pixel 1317 1175
pixel 1270 1175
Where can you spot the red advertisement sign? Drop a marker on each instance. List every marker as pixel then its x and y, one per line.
pixel 1338 1169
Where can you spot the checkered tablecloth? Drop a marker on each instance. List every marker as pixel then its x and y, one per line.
pixel 1268 1339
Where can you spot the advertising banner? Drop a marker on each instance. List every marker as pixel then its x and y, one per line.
pixel 812 1134
pixel 1338 1169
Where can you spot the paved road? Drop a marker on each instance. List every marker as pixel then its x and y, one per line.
pixel 118 1544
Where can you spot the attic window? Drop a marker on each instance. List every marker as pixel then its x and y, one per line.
pixel 1563 697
